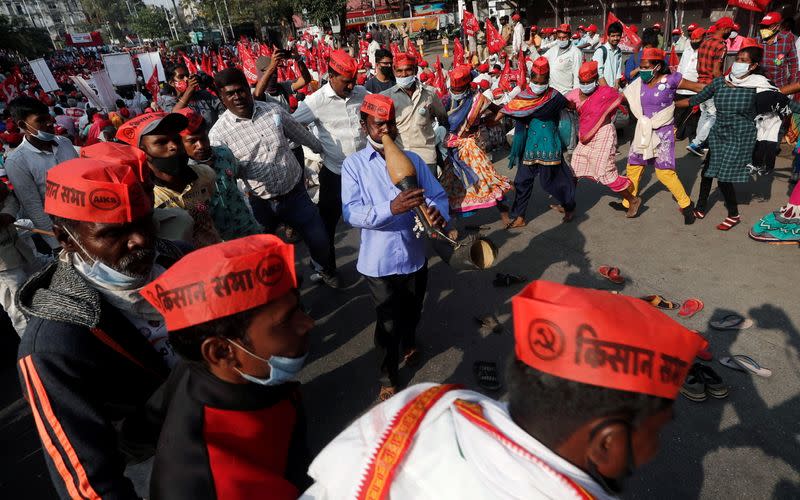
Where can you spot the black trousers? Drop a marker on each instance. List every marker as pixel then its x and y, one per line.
pixel 398 305
pixel 330 204
pixel 726 188
pixel 556 181
pixel 764 154
pixel 686 123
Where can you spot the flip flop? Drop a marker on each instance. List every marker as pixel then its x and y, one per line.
pixel 690 308
pixel 486 375
pixel 612 274
pixel 731 322
pixel 744 363
pixel 660 302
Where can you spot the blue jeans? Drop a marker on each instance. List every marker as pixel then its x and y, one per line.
pixel 295 209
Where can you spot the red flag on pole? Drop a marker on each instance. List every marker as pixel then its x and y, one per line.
pixel 753 5
pixel 458 52
pixel 494 42
pixel 190 65
pixel 220 62
pixel 394 49
pixel 469 23
pixel 248 63
pixel 263 50
pixel 439 81
pixel 505 78
pixel 630 41
pixel 152 83
pixel 673 60
pixel 413 51
pixel 322 61
pixel 522 75
pixel 9 89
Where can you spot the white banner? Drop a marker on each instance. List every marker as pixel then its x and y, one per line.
pixel 87 91
pixel 44 75
pixel 120 68
pixel 147 61
pixel 105 90
pixel 81 37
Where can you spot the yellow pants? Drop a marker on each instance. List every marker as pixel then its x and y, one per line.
pixel 667 177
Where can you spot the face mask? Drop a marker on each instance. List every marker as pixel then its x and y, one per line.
pixel 42 135
pixel 675 38
pixel 181 86
pixel 539 89
pixel 563 44
pixel 457 95
pixel 587 88
pixel 695 45
pixel 733 34
pixel 766 33
pixel 613 486
pixel 739 69
pixel 170 166
pixel 386 71
pixel 281 369
pixel 646 75
pixel 406 82
pixel 103 275
pixel 377 146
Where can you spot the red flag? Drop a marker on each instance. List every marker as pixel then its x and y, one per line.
pixel 394 49
pixel 439 81
pixel 413 51
pixel 322 61
pixel 263 50
pixel 190 65
pixel 152 84
pixel 630 41
pixel 505 78
pixel 673 60
pixel 221 62
pixel 248 63
pixel 458 53
pixel 522 75
pixel 205 65
pixel 469 23
pixel 494 42
pixel 753 5
pixel 9 89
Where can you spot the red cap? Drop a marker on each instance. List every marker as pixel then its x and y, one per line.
pixel 724 22
pixel 116 152
pixel 494 71
pixel 698 34
pixel 676 31
pixel 575 36
pixel 657 25
pixel 771 18
pixel 736 27
pixel 404 59
pixel 592 28
pixel 588 71
pixel 534 28
pixel 541 66
pixel 515 17
pixel 368 36
pixel 598 338
pixel 342 63
pixel 423 63
pixel 497 93
pixel 378 105
pixel 93 190
pixel 483 68
pixel 223 279
pixel 653 54
pixel 194 118
pixel 564 28
pixel 749 42
pixel 634 28
pixel 484 84
pixel 131 131
pixel 424 77
pixel 581 27
pixel 692 27
pixel 459 76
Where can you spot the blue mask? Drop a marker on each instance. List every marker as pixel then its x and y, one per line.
pixel 44 136
pixel 103 275
pixel 406 82
pixel 281 369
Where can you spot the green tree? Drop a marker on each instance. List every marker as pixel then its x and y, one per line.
pixel 150 22
pixel 16 34
pixel 113 15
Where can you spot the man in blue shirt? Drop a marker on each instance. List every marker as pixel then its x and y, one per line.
pixel 391 257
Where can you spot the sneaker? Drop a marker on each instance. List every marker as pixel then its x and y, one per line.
pixel 688 214
pixel 331 280
pixel 315 278
pixel 695 150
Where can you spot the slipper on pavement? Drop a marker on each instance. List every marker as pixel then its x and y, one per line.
pixel 744 363
pixel 486 375
pixel 660 302
pixel 612 274
pixel 690 308
pixel 731 322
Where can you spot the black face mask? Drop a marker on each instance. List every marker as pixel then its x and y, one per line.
pixel 695 45
pixel 172 165
pixel 613 486
pixel 387 72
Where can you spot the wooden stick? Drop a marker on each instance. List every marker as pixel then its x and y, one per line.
pixel 34 230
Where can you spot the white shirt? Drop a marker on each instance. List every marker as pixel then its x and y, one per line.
pixel 450 457
pixel 517 39
pixel 611 67
pixel 337 123
pixel 371 49
pixel 27 169
pixel 564 67
pixel 687 67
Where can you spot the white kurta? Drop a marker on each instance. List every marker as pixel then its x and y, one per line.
pixel 450 458
pixel 564 67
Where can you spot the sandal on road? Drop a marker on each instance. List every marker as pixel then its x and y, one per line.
pixel 612 274
pixel 731 322
pixel 714 385
pixel 660 302
pixel 387 391
pixel 743 363
pixel 486 375
pixel 690 308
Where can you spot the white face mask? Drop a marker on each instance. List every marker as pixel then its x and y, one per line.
pixel 564 43
pixel 281 369
pixel 739 69
pixel 588 88
pixel 377 146
pixel 101 274
pixel 538 89
pixel 406 82
pixel 734 34
pixel 457 95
